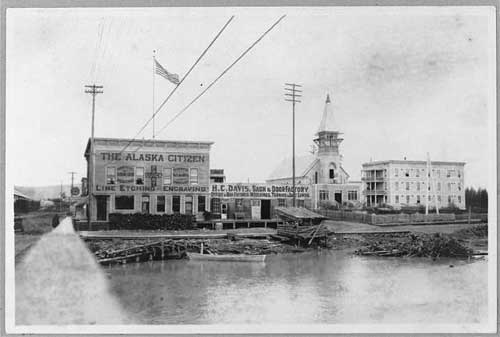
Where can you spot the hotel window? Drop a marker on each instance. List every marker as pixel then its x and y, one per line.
pixel 188 204
pixel 323 195
pixel 429 198
pixel 439 186
pixel 167 176
pixel 417 173
pixel 449 199
pixel 139 175
pixel 193 176
pixel 396 186
pixel 160 204
pixel 418 199
pixel 201 203
pixel 397 199
pixel 407 173
pixel 418 185
pixel 450 173
pixel 396 172
pixel 352 195
pixel 124 202
pixel 407 186
pixel 239 204
pixel 110 175
pixel 459 187
pixel 176 204
pixel 281 202
pixel 439 173
pixel 459 199
pixel 407 199
pixel 449 187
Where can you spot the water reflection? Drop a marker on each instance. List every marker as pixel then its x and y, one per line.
pixel 318 287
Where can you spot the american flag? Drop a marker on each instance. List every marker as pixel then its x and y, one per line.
pixel 174 78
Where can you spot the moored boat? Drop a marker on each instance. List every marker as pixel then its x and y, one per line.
pixel 227 257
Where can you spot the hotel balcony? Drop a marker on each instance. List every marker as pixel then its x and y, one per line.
pixel 375 192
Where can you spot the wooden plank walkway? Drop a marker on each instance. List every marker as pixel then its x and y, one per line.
pixel 138 235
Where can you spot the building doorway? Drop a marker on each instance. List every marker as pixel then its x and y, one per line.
pixel 265 209
pixel 145 204
pixel 102 207
pixel 338 197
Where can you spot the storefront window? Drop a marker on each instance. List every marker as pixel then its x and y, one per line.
pixel 193 176
pixel 160 204
pixel 215 205
pixel 176 204
pixel 167 176
pixel 139 175
pixel 110 175
pixel 201 203
pixel 124 202
pixel 188 204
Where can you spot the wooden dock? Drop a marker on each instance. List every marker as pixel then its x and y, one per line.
pixel 103 235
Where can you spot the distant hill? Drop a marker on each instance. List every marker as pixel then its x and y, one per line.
pixel 44 192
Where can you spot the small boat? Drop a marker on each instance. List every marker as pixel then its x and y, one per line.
pixel 227 257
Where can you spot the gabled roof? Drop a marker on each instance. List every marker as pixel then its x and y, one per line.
pixel 21 195
pixel 303 164
pixel 328 122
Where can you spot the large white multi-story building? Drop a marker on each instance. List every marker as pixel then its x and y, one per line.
pixel 410 183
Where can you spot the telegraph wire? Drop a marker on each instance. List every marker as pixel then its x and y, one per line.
pixel 177 86
pixel 222 74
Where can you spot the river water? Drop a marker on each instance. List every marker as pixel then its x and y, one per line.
pixel 328 287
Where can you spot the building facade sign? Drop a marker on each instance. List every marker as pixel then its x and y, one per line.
pixel 152 157
pixel 125 175
pixel 258 191
pixel 181 176
pixel 146 188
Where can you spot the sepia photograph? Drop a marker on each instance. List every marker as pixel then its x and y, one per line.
pixel 250 169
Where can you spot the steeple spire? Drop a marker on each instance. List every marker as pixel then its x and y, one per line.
pixel 328 122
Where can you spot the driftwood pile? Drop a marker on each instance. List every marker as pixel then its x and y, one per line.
pixel 304 234
pixel 412 244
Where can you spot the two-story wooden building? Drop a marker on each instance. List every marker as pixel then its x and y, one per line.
pixel 148 176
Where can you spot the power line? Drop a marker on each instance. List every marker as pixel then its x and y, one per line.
pixel 292 94
pixel 177 86
pixel 222 74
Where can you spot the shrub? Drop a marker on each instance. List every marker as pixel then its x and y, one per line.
pixel 151 221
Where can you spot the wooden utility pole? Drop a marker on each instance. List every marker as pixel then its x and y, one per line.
pixel 292 93
pixel 93 90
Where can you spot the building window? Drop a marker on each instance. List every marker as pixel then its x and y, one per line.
pixel 418 199
pixel 407 173
pixel 167 176
pixel 193 176
pixel 459 187
pixel 396 186
pixel 439 198
pixel 459 173
pixel 239 205
pixel 139 175
pixel 352 195
pixel 124 202
pixel 407 186
pixel 407 199
pixel 176 204
pixel 429 198
pixel 188 204
pixel 396 172
pixel 160 204
pixel 215 205
pixel 417 173
pixel 110 175
pixel 397 199
pixel 281 202
pixel 439 173
pixel 300 203
pixel 315 177
pixel 418 185
pixel 439 187
pixel 449 199
pixel 459 199
pixel 450 173
pixel 331 173
pixel 323 195
pixel 449 187
pixel 201 203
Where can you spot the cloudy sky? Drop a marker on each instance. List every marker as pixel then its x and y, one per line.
pixel 403 82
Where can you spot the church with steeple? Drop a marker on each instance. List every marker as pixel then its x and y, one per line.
pixel 322 170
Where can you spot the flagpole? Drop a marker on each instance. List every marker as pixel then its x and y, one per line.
pixel 154 51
